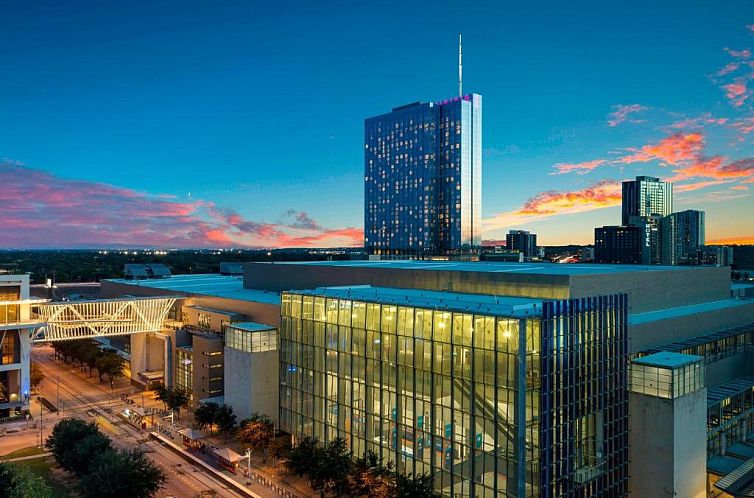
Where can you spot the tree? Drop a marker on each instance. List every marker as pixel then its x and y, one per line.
pixel 331 468
pixel 115 474
pixel 20 482
pixel 35 375
pixel 370 478
pixel 72 440
pixel 178 398
pixel 204 415
pixel 302 455
pixel 162 394
pixel 415 486
pixel 256 432
pixel 225 419
pixel 111 364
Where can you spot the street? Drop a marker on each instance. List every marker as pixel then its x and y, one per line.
pixel 76 394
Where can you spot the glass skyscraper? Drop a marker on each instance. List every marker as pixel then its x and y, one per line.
pixel 423 178
pixel 646 196
pixel 492 396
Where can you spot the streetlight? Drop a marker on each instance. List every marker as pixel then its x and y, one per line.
pixel 247 455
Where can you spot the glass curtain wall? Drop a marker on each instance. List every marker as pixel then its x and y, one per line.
pixel 430 390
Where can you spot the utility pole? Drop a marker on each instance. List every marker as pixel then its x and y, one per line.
pixel 40 425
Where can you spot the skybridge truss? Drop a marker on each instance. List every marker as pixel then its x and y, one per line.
pixel 62 321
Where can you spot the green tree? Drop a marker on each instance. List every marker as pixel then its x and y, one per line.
pixel 204 415
pixel 178 398
pixel 71 442
pixel 302 455
pixel 331 468
pixel 20 482
pixel 225 419
pixel 256 432
pixel 36 376
pixel 415 486
pixel 111 364
pixel 370 478
pixel 115 474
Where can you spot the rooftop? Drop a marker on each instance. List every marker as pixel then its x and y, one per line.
pixel 666 359
pixel 455 301
pixel 728 390
pixel 251 326
pixel 668 313
pixel 495 267
pixel 207 284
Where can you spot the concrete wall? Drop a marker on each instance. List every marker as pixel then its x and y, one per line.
pixel 252 383
pixel 648 290
pixel 660 332
pixel 652 290
pixel 280 277
pixel 668 445
pixel 202 384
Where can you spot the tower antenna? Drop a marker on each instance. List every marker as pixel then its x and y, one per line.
pixel 460 66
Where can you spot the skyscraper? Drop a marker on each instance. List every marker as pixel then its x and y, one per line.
pixel 423 178
pixel 646 196
pixel 523 242
pixel 682 236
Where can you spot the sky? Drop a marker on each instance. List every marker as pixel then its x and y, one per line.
pixel 231 124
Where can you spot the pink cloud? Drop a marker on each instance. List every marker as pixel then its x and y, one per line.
pixel 578 168
pixel 672 150
pixel 39 209
pixel 728 68
pixel 696 123
pixel 739 187
pixel 739 54
pixel 622 112
pixel 744 125
pixel 736 92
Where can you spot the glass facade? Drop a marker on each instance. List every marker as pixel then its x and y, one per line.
pixel 9 313
pixel 251 341
pixel 646 196
pixel 460 394
pixel 184 368
pixel 423 178
pixel 10 347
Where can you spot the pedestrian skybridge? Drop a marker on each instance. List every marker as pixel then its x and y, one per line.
pixel 62 321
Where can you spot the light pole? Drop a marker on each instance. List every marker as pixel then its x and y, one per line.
pixel 59 410
pixel 40 425
pixel 247 455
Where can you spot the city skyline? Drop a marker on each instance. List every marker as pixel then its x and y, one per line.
pixel 177 131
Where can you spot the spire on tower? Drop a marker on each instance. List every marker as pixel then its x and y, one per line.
pixel 460 66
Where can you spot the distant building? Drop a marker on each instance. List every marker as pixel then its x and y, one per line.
pixel 651 240
pixel 233 268
pixel 137 271
pixel 716 255
pixel 423 178
pixel 618 244
pixel 682 236
pixel 646 196
pixel 523 242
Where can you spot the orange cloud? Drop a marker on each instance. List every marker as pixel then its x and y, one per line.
pixel 579 168
pixel 739 187
pixel 674 149
pixel 551 203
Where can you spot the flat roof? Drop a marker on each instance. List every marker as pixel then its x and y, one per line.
pixel 668 313
pixel 702 339
pixel 467 303
pixel 728 390
pixel 666 359
pixel 206 284
pixel 494 267
pixel 251 326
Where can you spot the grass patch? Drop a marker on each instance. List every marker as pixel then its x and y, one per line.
pixel 24 452
pixel 43 468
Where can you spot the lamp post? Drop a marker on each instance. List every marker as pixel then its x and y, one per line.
pixel 40 425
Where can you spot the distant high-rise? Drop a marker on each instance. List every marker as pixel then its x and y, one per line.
pixel 423 178
pixel 618 245
pixel 646 196
pixel 682 236
pixel 523 242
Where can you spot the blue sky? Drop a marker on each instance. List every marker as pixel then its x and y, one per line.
pixel 254 110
